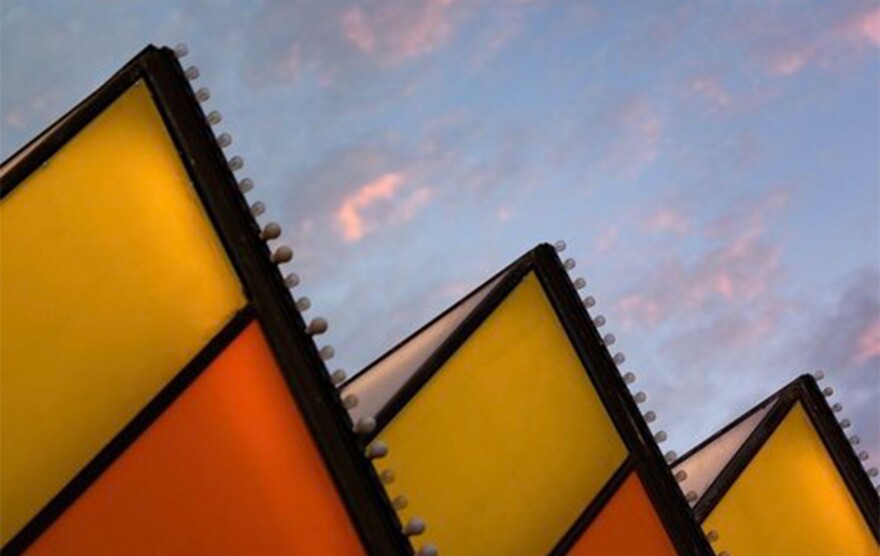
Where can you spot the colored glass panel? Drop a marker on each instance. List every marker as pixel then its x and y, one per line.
pixel 112 280
pixel 704 466
pixel 228 468
pixel 627 524
pixel 790 499
pixel 378 384
pixel 508 443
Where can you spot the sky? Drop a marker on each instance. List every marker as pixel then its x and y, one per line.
pixel 713 166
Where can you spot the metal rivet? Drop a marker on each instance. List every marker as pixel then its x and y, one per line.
pixel 191 73
pixel 589 301
pixel 609 339
pixel 181 50
pixel 387 477
pixel 569 264
pixel 619 358
pixel 236 163
pixel 214 117
pixel 872 472
pixel 640 397
pixel 599 321
pixel 828 391
pixel 224 140
pixel 819 375
pixel 691 496
pixel 837 407
pixel 291 280
pixel 246 185
pixel 338 376
pixel 670 457
pixel 559 246
pixel 303 303
pixel 271 231
pixel 377 450
pixel 317 326
pixel 282 255
pixel 350 401
pixel 681 475
pixel 660 436
pixel 400 502
pixel 650 417
pixel 854 439
pixel 864 455
pixel 415 526
pixel 327 353
pixel 428 550
pixel 629 378
pixel 258 208
pixel 365 425
pixel 845 424
pixel 203 94
pixel 712 536
pixel 580 283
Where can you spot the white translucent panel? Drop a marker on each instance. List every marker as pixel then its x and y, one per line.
pixel 377 384
pixel 706 464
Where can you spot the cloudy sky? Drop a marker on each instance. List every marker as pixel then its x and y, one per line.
pixel 712 165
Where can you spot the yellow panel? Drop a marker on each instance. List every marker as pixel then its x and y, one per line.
pixel 112 280
pixel 506 445
pixel 791 500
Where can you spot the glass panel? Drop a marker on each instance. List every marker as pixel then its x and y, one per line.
pixel 791 500
pixel 376 385
pixel 228 468
pixel 627 524
pixel 112 280
pixel 508 443
pixel 705 465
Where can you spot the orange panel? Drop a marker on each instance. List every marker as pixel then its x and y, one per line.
pixel 626 525
pixel 229 468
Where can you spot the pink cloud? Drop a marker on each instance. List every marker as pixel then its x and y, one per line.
pixel 357 30
pixel 710 88
pixel 349 213
pixel 637 309
pixel 383 201
pixel 607 239
pixel 868 346
pixel 789 63
pixel 401 30
pixel 431 28
pixel 410 206
pixel 737 264
pixel 666 219
pixel 867 27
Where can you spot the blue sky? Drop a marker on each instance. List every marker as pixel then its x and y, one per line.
pixel 713 166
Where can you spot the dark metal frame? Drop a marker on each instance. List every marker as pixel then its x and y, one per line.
pixel 804 391
pixel 270 304
pixel 645 456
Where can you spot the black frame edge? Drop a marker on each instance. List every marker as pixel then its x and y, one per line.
pixel 657 479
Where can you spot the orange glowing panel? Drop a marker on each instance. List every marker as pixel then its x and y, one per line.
pixel 626 525
pixel 228 468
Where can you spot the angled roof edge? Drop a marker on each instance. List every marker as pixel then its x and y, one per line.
pixel 804 390
pixel 515 272
pixel 356 481
pixel 395 367
pixel 602 371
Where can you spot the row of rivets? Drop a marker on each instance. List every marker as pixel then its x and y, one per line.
pixel 855 440
pixel 282 254
pixel 415 525
pixel 610 339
